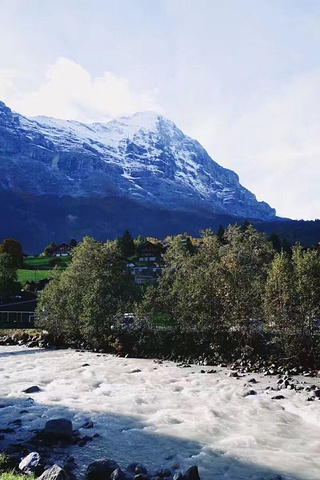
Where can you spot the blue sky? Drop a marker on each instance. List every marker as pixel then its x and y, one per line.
pixel 243 77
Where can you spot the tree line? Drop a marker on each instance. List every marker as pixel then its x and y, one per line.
pixel 231 285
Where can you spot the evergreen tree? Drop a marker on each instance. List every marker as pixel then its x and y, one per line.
pixel 126 245
pixel 220 234
pixel 276 242
pixel 245 226
pixel 286 247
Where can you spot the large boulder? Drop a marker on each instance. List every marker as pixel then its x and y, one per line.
pixel 58 428
pixel 101 469
pixel 54 473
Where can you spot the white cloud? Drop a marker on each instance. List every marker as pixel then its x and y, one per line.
pixel 274 145
pixel 68 91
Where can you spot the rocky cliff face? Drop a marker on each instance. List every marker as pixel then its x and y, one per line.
pixel 144 158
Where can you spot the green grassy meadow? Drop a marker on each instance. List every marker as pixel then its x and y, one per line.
pixel 25 275
pixel 35 269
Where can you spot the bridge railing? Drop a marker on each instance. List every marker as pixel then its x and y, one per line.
pixel 16 319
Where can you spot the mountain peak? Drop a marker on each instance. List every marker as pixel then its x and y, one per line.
pixel 143 157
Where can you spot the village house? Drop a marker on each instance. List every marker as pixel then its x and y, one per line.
pixel 149 264
pixel 146 273
pixel 62 250
pixel 150 252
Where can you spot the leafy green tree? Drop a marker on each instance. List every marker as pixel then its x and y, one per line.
pixel 8 277
pixel 186 294
pixel 52 310
pixel 14 249
pixel 292 302
pixel 126 245
pixel 89 294
pixel 280 301
pixel 49 248
pixel 242 271
pixel 139 241
pixel 306 265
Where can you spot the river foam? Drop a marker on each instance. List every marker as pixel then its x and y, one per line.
pixel 163 415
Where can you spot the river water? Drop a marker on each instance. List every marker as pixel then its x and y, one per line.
pixel 163 415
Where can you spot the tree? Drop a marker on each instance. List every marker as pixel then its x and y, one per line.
pixel 52 309
pixel 139 241
pixel 220 234
pixel 286 247
pixel 306 265
pixel 242 272
pixel 280 302
pixel 83 301
pixel 14 249
pixel 276 242
pixel 49 248
pixel 126 245
pixel 73 242
pixel 8 277
pixel 245 226
pixel 292 301
pixel 186 294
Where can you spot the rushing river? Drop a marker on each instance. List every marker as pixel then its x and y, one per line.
pixel 163 415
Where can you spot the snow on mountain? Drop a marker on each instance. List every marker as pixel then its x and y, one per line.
pixel 144 157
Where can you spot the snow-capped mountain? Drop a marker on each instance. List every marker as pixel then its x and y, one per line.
pixel 145 158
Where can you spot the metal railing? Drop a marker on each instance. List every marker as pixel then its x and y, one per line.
pixel 16 319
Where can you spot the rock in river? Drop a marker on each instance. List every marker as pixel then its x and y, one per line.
pixel 58 428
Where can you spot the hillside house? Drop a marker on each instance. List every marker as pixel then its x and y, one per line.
pixel 150 252
pixel 146 274
pixel 62 250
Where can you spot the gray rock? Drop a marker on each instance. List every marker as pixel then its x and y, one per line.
pixel 54 473
pixel 58 428
pixel 118 475
pixel 29 463
pixel 88 424
pixel 251 392
pixel 140 468
pixel 163 473
pixel 177 476
pixel 132 467
pixel 101 469
pixel 252 380
pixel 191 474
pixel 33 389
